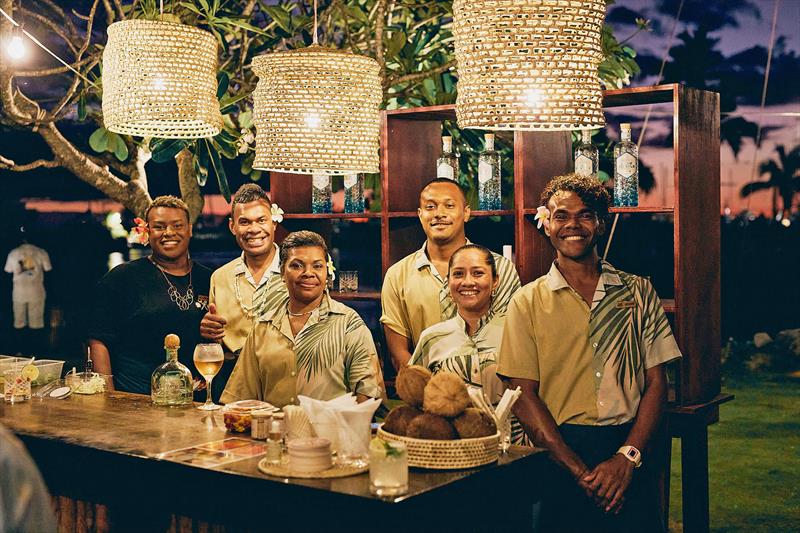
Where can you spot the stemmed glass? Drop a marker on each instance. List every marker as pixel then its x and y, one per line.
pixel 208 359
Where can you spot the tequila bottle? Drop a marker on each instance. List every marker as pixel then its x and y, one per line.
pixel 447 164
pixel 626 170
pixel 320 193
pixel 587 157
pixel 489 177
pixel 171 384
pixel 353 193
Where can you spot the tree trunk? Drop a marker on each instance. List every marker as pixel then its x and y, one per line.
pixel 187 179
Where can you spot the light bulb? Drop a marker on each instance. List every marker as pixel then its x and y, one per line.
pixel 534 97
pixel 785 222
pixel 15 49
pixel 313 121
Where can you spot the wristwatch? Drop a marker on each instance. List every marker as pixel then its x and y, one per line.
pixel 631 454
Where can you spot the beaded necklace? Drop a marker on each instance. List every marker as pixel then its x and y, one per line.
pixel 183 301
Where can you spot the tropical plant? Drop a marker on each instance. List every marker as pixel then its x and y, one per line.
pixel 784 180
pixel 412 41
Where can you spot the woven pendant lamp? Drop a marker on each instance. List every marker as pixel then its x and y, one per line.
pixel 528 65
pixel 316 111
pixel 159 80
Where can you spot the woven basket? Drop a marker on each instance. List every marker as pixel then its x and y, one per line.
pixel 159 80
pixel 316 111
pixel 447 454
pixel 528 65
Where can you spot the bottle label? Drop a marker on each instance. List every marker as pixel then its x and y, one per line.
pixel 320 181
pixel 626 165
pixel 583 165
pixel 444 171
pixel 484 171
pixel 350 180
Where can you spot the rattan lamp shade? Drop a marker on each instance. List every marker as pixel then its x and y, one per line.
pixel 159 80
pixel 316 111
pixel 528 65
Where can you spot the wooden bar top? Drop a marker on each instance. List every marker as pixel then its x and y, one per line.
pixel 104 448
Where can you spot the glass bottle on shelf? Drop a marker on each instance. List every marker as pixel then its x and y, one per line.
pixel 626 170
pixel 489 198
pixel 353 193
pixel 447 164
pixel 587 157
pixel 321 193
pixel 171 383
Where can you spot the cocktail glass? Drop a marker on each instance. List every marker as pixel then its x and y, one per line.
pixel 208 359
pixel 388 468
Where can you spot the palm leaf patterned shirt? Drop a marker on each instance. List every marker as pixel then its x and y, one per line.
pixel 447 347
pixel 414 296
pixel 332 355
pixel 589 361
pixel 240 300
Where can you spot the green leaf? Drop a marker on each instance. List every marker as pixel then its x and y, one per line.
pixel 280 16
pixel 223 80
pixel 246 119
pixel 219 170
pixel 82 107
pixel 99 140
pixel 256 175
pixel 166 149
pixel 119 147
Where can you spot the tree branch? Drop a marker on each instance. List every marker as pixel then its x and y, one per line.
pixel 416 76
pixel 190 190
pixel 8 164
pixel 51 71
pixel 380 20
pixel 55 28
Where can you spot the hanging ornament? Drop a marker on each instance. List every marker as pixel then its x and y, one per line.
pixel 159 80
pixel 316 111
pixel 528 65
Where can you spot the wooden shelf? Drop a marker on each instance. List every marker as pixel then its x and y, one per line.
pixel 356 296
pixel 653 94
pixel 473 214
pixel 330 215
pixel 437 112
pixel 645 209
pixel 668 305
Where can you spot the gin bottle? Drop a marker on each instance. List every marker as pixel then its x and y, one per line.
pixel 353 193
pixel 587 157
pixel 171 383
pixel 626 170
pixel 489 177
pixel 320 193
pixel 447 164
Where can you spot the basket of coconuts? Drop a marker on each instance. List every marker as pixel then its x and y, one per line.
pixel 438 426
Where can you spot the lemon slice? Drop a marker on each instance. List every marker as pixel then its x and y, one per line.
pixel 378 446
pixel 30 372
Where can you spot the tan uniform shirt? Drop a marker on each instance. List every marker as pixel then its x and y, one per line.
pixel 413 290
pixel 333 354
pixel 589 362
pixel 232 291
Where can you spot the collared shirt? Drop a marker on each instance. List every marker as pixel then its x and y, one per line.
pixel 589 361
pixel 240 300
pixel 410 297
pixel 332 355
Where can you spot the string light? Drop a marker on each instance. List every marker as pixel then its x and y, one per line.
pixel 15 48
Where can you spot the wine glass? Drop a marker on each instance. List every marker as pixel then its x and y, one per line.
pixel 208 359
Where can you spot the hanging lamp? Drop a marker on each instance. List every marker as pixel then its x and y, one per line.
pixel 159 80
pixel 528 65
pixel 316 111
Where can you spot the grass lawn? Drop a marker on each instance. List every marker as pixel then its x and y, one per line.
pixel 754 459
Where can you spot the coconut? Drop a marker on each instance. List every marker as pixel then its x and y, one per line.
pixel 428 426
pixel 473 423
pixel 446 395
pixel 410 384
pixel 398 419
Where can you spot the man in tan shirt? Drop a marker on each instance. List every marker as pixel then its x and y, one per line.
pixel 415 294
pixel 250 285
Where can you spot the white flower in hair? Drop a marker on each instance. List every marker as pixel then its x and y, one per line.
pixel 331 269
pixel 543 217
pixel 277 213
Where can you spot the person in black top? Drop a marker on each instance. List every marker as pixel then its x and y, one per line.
pixel 141 301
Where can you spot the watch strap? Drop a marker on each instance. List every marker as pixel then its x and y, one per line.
pixel 632 454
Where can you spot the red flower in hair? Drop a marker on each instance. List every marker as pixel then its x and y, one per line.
pixel 141 230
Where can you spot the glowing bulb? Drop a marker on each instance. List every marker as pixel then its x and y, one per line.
pixel 159 85
pixel 534 97
pixel 313 121
pixel 15 49
pixel 786 222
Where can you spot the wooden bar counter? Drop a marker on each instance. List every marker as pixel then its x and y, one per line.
pixel 99 457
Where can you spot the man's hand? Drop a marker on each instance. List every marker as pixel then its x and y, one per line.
pixel 608 482
pixel 212 326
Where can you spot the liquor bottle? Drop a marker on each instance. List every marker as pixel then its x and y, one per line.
pixel 587 157
pixel 171 383
pixel 353 193
pixel 320 193
pixel 626 170
pixel 447 164
pixel 489 198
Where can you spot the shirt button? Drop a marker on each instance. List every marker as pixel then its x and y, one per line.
pixel 602 404
pixel 594 345
pixel 598 374
pixel 294 373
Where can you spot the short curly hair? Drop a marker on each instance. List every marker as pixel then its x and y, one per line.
pixel 167 201
pixel 300 239
pixel 249 192
pixel 591 191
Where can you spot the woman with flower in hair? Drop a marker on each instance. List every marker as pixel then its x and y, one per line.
pixel 312 345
